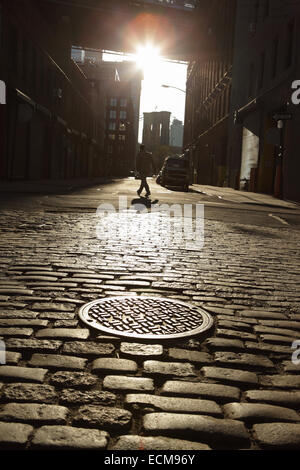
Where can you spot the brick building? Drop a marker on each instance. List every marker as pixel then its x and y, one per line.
pixel 116 100
pixel 48 126
pixel 120 142
pixel 265 65
pixel 208 95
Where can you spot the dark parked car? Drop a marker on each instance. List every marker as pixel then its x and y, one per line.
pixel 174 172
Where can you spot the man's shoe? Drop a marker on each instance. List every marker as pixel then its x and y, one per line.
pixel 147 194
pixel 139 193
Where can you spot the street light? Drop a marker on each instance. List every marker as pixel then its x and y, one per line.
pixel 175 87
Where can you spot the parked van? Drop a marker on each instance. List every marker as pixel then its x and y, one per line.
pixel 175 172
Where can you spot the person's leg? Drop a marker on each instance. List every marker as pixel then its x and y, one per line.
pixel 147 188
pixel 142 185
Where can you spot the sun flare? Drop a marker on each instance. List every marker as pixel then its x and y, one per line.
pixel 148 59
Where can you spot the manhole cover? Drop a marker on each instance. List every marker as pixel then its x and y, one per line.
pixel 145 317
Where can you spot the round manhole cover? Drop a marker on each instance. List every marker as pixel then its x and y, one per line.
pixel 145 317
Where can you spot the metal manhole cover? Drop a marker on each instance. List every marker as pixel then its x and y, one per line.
pixel 145 317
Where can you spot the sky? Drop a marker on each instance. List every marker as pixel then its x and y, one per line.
pixel 157 72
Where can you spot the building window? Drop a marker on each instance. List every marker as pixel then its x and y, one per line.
pixel 110 149
pixel 123 115
pixel 262 70
pixel 112 114
pixel 274 57
pixel 123 102
pixel 113 102
pixel 112 136
pixel 122 126
pixel 121 148
pixel 112 126
pixel 122 137
pixel 289 43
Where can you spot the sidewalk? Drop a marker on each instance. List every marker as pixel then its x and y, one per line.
pixel 243 197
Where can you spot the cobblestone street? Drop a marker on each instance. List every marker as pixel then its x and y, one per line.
pixel 65 385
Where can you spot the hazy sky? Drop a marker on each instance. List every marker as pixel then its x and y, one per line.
pixel 156 73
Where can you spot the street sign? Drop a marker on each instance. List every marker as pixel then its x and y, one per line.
pixel 282 117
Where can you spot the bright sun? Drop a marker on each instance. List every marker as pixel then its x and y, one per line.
pixel 148 59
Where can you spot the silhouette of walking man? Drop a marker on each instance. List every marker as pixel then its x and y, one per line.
pixel 144 161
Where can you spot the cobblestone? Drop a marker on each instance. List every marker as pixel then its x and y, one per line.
pixel 22 322
pixel 219 344
pixel 206 429
pixel 73 379
pixel 281 381
pixel 34 393
pixel 88 348
pixel 138 349
pixel 32 344
pixel 55 361
pixel 278 435
pixel 67 437
pixel 94 397
pixel 289 399
pixel 34 413
pixel 18 332
pixel 220 393
pixel 12 358
pixel 231 376
pixel 25 374
pixel 109 419
pixel 190 356
pixel 251 361
pixel 171 404
pixel 14 433
pixel 255 412
pixel 156 443
pixel 121 383
pixel 75 333
pixel 177 369
pixel 114 365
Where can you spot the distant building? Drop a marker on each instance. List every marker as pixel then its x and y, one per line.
pixel 176 133
pixel 120 143
pixel 116 98
pixel 130 73
pixel 156 130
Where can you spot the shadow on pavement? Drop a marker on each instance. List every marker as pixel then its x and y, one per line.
pixel 145 201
